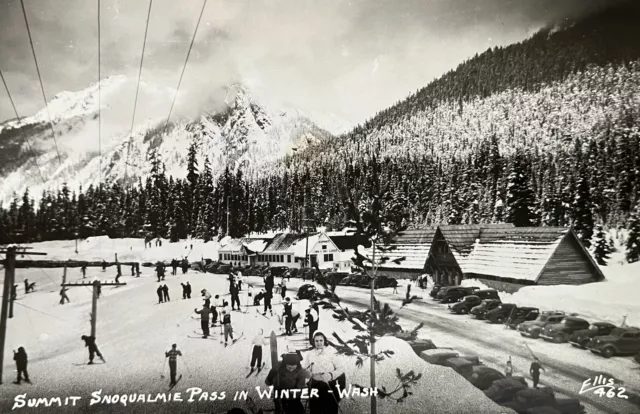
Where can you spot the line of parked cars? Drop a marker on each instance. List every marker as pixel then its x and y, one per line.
pixel 601 338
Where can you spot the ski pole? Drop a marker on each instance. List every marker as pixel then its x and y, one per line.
pixel 189 315
pixel 186 366
pixel 164 364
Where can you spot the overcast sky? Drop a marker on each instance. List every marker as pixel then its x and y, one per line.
pixel 349 58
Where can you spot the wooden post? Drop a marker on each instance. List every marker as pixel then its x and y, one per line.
pixel 94 307
pixel 116 257
pixel 64 275
pixel 9 270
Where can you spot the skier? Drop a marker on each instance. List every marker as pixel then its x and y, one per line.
pixel 295 315
pixel 173 362
pixel 159 271
pixel 534 370
pixel 311 319
pixel 174 267
pixel 84 271
pixel 184 290
pixel 256 353
pixel 258 297
pixel 283 289
pixel 188 290
pixel 165 292
pixel 204 320
pixel 137 269
pixel 267 302
pixel 235 299
pixel 90 342
pixel 185 266
pixel 289 375
pixel 207 298
pixel 63 295
pixel 287 316
pixel 228 329
pixel 160 293
pixel 217 304
pixel 21 365
pixel 26 286
pixel 508 371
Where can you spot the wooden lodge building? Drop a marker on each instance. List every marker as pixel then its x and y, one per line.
pixel 507 258
pixel 414 246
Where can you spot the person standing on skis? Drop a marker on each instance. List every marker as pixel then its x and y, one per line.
pixel 165 292
pixel 63 295
pixel 173 362
pixel 228 329
pixel 90 342
pixel 204 320
pixel 21 365
pixel 160 293
pixel 235 299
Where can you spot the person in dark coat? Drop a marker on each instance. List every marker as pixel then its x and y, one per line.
pixel 188 291
pixel 84 270
pixel 184 290
pixel 288 375
pixel 204 320
pixel 235 298
pixel 63 295
pixel 534 370
pixel 173 362
pixel 159 271
pixel 185 266
pixel 257 298
pixel 137 269
pixel 165 292
pixel 90 342
pixel 267 302
pixel 21 365
pixel 26 286
pixel 160 294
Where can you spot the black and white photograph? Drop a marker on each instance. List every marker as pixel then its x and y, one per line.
pixel 323 207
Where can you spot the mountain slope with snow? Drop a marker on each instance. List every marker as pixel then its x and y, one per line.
pixel 244 133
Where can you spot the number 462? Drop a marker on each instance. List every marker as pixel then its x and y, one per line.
pixel 611 392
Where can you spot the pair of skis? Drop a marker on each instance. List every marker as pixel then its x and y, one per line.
pixel 175 383
pixel 254 370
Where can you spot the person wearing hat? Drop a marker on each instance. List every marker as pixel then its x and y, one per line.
pixel 204 320
pixel 226 322
pixel 288 375
pixel 207 297
pixel 311 319
pixel 321 364
pixel 173 362
pixel 90 342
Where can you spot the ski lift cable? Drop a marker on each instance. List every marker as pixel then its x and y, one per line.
pixel 99 96
pixel 24 135
pixel 44 96
pixel 204 4
pixel 135 102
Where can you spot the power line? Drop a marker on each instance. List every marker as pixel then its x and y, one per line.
pixel 99 97
pixel 135 102
pixel 24 12
pixel 24 135
pixel 185 62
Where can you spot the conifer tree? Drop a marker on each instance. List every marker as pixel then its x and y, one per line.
pixel 633 239
pixel 582 210
pixel 519 194
pixel 601 249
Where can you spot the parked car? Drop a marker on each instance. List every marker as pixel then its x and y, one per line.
pixel 582 337
pixel 482 376
pixel 384 281
pixel 543 401
pixel 500 313
pixel 560 332
pixel 487 294
pixel 637 357
pixel 434 291
pixel 486 305
pixel 621 341
pixel 307 292
pixel 438 356
pixel 465 305
pixel 456 293
pixel 420 344
pixel 462 366
pixel 505 390
pixel 522 315
pixel 533 329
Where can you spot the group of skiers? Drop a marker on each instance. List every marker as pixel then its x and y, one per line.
pixel 212 311
pixel 161 268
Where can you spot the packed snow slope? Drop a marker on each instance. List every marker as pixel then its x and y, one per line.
pixel 134 331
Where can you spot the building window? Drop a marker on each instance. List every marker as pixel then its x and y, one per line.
pixel 221 256
pixel 328 257
pixel 282 258
pixel 288 258
pixel 324 247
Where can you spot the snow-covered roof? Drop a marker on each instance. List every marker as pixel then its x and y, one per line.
pixel 256 246
pixel 516 253
pixel 415 256
pixel 228 244
pixel 284 243
pixel 300 246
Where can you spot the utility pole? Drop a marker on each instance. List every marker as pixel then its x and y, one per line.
pixel 94 303
pixel 228 197
pixel 9 276
pixel 306 249
pixel 372 367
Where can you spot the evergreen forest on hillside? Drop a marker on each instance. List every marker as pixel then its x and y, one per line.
pixel 544 132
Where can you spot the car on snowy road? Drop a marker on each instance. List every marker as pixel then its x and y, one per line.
pixel 560 332
pixel 621 341
pixel 500 313
pixel 465 305
pixel 434 291
pixel 532 329
pixel 582 337
pixel 523 314
pixel 486 306
pixel 307 292
pixel 482 376
pixel 455 293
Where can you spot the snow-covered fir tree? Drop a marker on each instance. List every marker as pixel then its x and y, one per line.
pixel 633 238
pixel 519 194
pixel 601 249
pixel 582 210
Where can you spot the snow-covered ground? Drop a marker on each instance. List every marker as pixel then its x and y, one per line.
pixel 133 332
